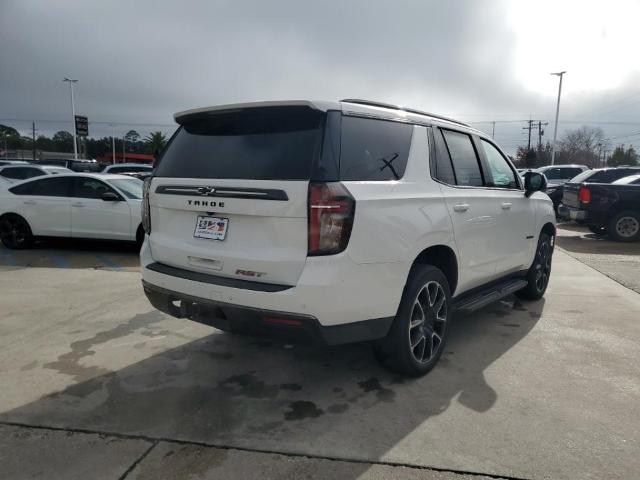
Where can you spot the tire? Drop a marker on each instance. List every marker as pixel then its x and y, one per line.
pixel 625 226
pixel 540 271
pixel 413 347
pixel 15 232
pixel 597 229
pixel 139 237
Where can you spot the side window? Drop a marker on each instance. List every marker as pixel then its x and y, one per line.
pixel 88 187
pixel 49 187
pixel 374 149
pixel 464 158
pixel 15 173
pixel 32 172
pixel 443 168
pixel 501 173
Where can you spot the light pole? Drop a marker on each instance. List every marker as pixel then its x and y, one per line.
pixel 73 113
pixel 113 143
pixel 555 128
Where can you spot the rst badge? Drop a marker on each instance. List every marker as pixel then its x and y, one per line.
pixel 212 228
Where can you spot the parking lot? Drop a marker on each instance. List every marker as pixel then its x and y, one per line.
pixel 97 384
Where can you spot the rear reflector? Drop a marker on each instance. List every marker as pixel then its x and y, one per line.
pixel 289 322
pixel 584 194
pixel 331 212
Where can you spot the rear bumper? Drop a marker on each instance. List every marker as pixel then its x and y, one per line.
pixel 262 322
pixel 570 213
pixel 332 290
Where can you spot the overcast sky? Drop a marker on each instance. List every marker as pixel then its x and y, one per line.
pixel 140 61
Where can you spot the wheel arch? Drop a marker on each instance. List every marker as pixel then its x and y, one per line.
pixel 442 257
pixel 549 228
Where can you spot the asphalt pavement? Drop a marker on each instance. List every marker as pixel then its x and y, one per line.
pixel 96 384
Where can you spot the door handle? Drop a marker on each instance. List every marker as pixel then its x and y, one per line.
pixel 463 207
pixel 77 204
pixel 30 202
pixel 506 206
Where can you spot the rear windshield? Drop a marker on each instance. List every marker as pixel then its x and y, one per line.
pixel 274 143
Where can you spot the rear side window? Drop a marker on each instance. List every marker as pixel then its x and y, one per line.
pixel 21 173
pixel 273 143
pixel 608 176
pixel 443 168
pixel 48 187
pixel 373 149
pixel 464 158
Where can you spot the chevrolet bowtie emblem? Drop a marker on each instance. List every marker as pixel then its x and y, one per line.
pixel 204 191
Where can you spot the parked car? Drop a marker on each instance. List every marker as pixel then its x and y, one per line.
pixel 128 168
pixel 569 208
pixel 17 173
pixel 341 222
pixel 71 205
pixel 13 162
pixel 612 208
pixel 76 165
pixel 557 176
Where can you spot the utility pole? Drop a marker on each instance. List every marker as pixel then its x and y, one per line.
pixel 529 128
pixel 73 114
pixel 124 155
pixel 555 129
pixel 33 139
pixel 541 133
pixel 493 130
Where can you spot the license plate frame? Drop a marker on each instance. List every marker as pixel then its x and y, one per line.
pixel 203 230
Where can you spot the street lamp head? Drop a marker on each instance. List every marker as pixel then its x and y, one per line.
pixel 69 80
pixel 559 74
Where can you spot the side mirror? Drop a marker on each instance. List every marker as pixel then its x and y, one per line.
pixel 534 182
pixel 110 197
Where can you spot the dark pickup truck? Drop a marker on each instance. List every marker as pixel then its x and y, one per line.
pixel 612 208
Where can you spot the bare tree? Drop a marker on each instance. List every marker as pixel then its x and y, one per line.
pixel 581 146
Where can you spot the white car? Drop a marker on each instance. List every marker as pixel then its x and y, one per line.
pixel 340 221
pixel 71 205
pixel 128 168
pixel 17 173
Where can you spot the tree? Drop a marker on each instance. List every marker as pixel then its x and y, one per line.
pixel 526 158
pixel 620 156
pixel 132 136
pixel 581 146
pixel 8 131
pixel 62 141
pixel 155 142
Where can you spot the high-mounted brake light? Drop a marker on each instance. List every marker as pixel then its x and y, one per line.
pixel 584 194
pixel 331 213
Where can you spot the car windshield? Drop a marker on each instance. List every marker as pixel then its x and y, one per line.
pixel 131 187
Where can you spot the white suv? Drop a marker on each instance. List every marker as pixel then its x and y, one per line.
pixel 342 222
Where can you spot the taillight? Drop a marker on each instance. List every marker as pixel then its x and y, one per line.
pixel 331 212
pixel 146 212
pixel 584 194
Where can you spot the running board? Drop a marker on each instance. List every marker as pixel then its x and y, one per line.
pixel 489 295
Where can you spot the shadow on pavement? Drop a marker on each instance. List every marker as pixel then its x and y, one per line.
pixel 264 395
pixel 590 243
pixel 73 253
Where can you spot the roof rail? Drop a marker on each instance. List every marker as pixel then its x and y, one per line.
pixel 359 101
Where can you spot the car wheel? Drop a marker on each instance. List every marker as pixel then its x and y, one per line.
pixel 540 271
pixel 417 337
pixel 597 229
pixel 139 236
pixel 625 226
pixel 15 232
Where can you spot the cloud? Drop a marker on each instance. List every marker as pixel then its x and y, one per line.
pixel 139 62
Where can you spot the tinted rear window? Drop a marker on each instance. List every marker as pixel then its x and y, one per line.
pixel 274 143
pixel 373 149
pixel 605 176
